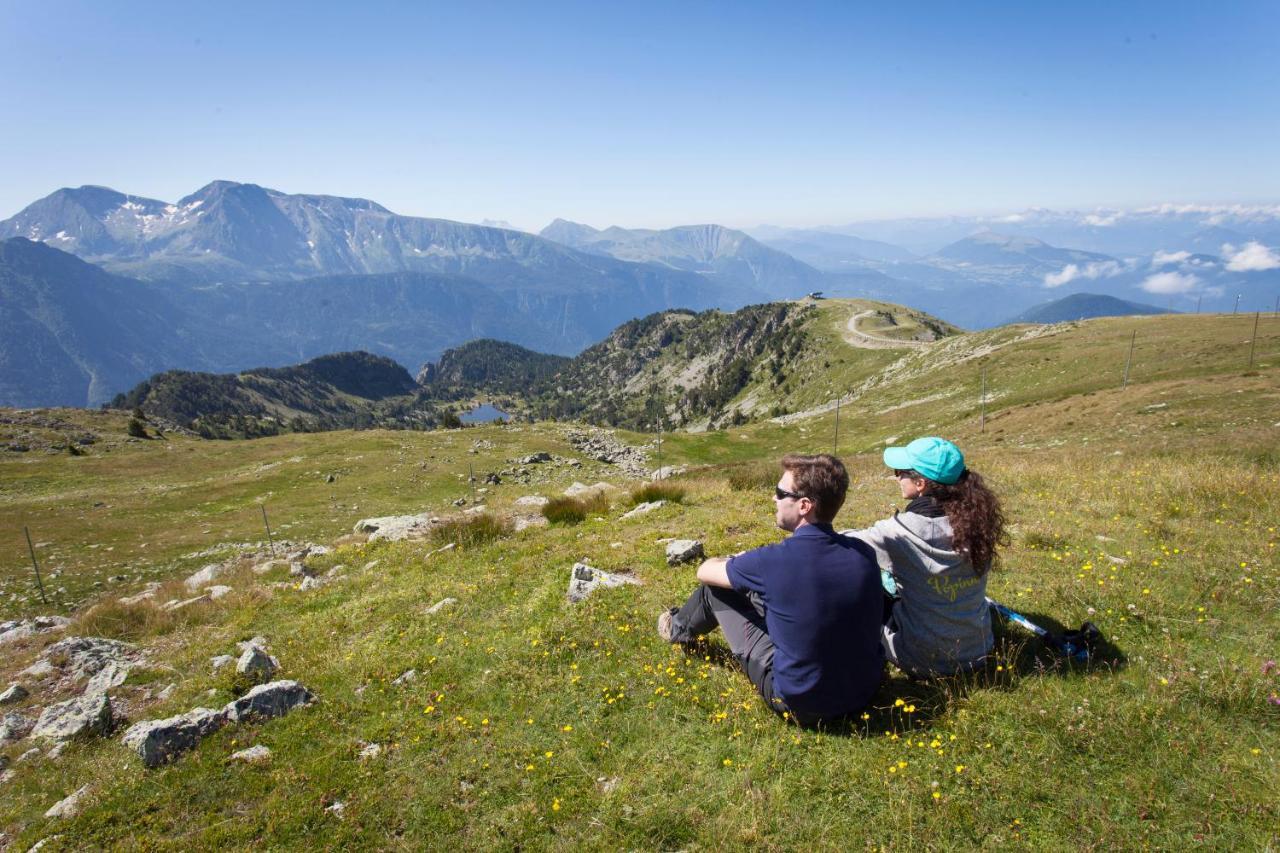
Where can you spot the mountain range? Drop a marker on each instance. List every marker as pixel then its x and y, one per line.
pixel 236 276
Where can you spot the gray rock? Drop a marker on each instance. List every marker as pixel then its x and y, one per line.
pixel 5 776
pixel 441 605
pixel 163 695
pixel 268 700
pixel 666 471
pixel 30 755
pixel 534 458
pixel 264 567
pixel 683 551
pixel 531 500
pixel 338 809
pixel 111 675
pixel 394 528
pixel 147 594
pixel 217 591
pixel 298 569
pixel 524 522
pixel 257 664
pixel 70 806
pixel 407 677
pixel 39 845
pixel 57 751
pixel 159 741
pixel 206 575
pixel 310 583
pixel 219 661
pixel 642 508
pixel 370 751
pixel 20 629
pixel 584 580
pixel 15 726
pixel 15 693
pixel 317 551
pixel 83 716
pixel 253 755
pixel 258 641
pixel 578 490
pixel 179 605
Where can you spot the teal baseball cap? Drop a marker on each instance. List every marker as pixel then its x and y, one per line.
pixel 933 457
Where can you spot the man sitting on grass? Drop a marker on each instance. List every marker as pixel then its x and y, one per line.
pixel 801 616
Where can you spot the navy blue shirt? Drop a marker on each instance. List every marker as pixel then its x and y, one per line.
pixel 823 604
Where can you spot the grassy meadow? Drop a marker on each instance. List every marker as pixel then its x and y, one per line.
pixel 534 723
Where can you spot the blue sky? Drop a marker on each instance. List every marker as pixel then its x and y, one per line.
pixel 649 114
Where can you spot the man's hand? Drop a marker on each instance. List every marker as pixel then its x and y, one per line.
pixel 715 572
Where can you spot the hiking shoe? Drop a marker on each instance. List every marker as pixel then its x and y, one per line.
pixel 664 625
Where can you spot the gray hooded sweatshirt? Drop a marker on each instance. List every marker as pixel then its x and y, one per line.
pixel 941 622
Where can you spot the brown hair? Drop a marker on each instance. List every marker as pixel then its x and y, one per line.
pixel 820 478
pixel 977 522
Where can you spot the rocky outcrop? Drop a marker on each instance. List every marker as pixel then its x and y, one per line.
pixel 642 508
pixel 20 629
pixel 394 528
pixel 256 665
pixel 15 693
pixel 603 446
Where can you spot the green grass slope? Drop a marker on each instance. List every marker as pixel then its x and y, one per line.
pixel 1150 509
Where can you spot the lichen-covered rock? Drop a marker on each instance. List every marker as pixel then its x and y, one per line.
pixel 683 551
pixel 160 741
pixel 584 580
pixel 22 628
pixel 394 528
pixel 15 726
pixel 15 693
pixel 266 701
pixel 441 605
pixel 256 664
pixel 207 575
pixel 83 716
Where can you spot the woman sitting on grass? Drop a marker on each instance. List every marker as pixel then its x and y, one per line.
pixel 934 557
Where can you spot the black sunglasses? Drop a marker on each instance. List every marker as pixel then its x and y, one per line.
pixel 782 494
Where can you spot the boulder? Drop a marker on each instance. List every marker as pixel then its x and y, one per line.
pixel 524 522
pixel 160 741
pixel 642 508
pixel 683 551
pixel 69 806
pixel 666 471
pixel 83 716
pixel 15 726
pixel 310 583
pixel 256 664
pixel 531 500
pixel 266 701
pixel 217 591
pixel 206 576
pixel 584 580
pixel 298 569
pixel 253 755
pixel 578 490
pixel 394 528
pixel 15 693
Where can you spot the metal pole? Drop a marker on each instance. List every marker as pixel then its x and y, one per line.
pixel 835 442
pixel 1129 361
pixel 267 524
pixel 34 564
pixel 1253 339
pixel 1237 307
pixel 471 476
pixel 982 423
pixel 660 477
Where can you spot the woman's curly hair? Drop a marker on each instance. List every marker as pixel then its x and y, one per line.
pixel 977 522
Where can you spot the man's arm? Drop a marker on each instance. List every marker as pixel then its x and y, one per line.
pixel 715 572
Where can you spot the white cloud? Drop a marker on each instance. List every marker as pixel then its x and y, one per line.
pixel 1253 257
pixel 1163 258
pixel 1170 282
pixel 1102 220
pixel 1091 270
